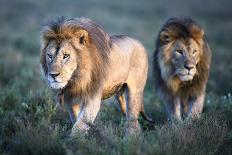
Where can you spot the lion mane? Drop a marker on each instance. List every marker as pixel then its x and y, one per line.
pixel 98 43
pixel 168 86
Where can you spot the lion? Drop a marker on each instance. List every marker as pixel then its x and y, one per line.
pixel 181 67
pixel 84 65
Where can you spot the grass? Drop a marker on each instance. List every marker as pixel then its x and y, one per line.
pixel 30 122
pixel 32 125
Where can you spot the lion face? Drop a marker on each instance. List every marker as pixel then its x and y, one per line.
pixel 185 56
pixel 74 55
pixel 61 63
pixel 180 50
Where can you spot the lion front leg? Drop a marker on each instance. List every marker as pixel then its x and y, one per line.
pixel 196 106
pixel 87 115
pixel 174 109
pixel 73 110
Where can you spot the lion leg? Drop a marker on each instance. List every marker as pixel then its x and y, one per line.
pixel 73 110
pixel 121 98
pixel 132 114
pixel 177 109
pixel 196 106
pixel 135 83
pixel 87 115
pixel 174 109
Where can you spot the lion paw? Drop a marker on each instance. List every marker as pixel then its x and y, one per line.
pixel 79 127
pixel 132 128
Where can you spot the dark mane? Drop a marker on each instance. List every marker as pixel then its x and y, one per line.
pixel 183 28
pixel 98 45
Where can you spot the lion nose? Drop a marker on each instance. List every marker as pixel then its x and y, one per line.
pixel 189 66
pixel 54 75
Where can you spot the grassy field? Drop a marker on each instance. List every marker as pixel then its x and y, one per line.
pixel 30 124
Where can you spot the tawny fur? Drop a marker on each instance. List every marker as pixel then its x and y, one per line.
pixel 96 67
pixel 181 42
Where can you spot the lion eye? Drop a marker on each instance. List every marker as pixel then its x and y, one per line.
pixel 49 56
pixel 194 52
pixel 66 56
pixel 179 51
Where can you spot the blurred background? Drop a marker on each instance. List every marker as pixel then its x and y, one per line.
pixel 29 121
pixel 22 20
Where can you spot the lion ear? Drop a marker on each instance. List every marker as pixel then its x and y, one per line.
pixel 165 37
pixel 83 36
pixel 197 32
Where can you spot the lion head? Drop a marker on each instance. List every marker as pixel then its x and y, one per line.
pixel 74 54
pixel 182 56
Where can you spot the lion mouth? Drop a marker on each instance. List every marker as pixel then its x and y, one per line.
pixel 185 77
pixel 57 84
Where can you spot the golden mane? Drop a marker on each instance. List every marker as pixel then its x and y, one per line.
pixel 97 43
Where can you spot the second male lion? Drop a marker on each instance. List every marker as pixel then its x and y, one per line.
pixel 181 67
pixel 84 65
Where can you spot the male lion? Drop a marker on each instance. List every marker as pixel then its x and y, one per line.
pixel 181 67
pixel 83 64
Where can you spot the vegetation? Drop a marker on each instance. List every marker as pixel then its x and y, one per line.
pixel 30 122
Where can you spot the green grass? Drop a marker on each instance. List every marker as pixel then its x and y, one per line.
pixel 32 125
pixel 30 122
